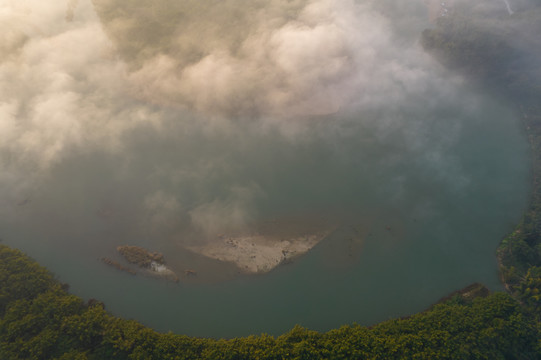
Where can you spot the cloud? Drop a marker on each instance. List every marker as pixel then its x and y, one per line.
pixel 312 64
pixel 209 114
pixel 70 12
pixel 233 213
pixel 67 88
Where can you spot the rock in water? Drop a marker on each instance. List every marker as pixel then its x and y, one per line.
pixel 140 256
pixel 152 262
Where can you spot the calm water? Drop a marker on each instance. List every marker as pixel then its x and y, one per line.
pixel 419 184
pixel 425 229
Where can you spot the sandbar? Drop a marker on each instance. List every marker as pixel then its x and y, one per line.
pixel 256 253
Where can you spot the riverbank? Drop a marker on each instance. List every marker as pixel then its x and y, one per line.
pixel 489 57
pixel 44 321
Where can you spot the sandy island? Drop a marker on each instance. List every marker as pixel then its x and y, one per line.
pixel 256 254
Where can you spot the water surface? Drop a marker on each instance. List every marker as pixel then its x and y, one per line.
pixel 418 176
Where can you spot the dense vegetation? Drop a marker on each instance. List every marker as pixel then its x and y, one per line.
pixel 41 320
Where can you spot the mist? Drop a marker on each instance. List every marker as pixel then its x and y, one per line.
pixel 164 123
pixel 178 105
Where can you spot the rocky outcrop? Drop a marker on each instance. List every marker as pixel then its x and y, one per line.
pixel 151 263
pixel 160 270
pixel 140 256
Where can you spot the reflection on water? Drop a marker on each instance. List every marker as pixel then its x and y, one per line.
pixel 404 234
pixel 166 135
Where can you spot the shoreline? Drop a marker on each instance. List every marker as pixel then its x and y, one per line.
pixel 517 254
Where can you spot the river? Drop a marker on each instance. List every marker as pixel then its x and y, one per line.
pixel 418 177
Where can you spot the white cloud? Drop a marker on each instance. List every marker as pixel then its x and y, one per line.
pixel 229 214
pixel 312 64
pixel 93 77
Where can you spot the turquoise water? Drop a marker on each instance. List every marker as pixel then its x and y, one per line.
pixel 418 184
pixel 425 227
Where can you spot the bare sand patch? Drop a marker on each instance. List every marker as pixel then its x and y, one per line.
pixel 258 253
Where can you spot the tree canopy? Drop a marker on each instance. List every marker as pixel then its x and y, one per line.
pixel 41 320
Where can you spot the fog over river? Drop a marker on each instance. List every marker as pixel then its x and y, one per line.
pixel 167 124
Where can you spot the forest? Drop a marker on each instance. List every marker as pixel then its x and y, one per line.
pixel 40 319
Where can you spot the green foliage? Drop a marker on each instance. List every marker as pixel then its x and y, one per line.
pixel 49 323
pixel 20 277
pixel 40 320
pixel 529 290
